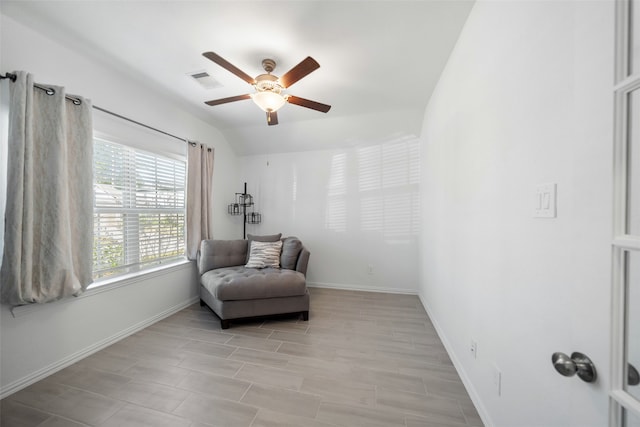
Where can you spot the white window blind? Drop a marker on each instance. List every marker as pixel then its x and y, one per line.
pixel 139 209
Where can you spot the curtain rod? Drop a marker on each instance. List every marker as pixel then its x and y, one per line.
pixel 142 124
pixel 76 101
pixel 48 90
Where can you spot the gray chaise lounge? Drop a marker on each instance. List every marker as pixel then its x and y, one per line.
pixel 234 291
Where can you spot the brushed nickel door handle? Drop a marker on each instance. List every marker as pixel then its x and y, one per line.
pixel 633 378
pixel 578 364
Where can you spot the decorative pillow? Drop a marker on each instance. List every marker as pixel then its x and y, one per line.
pixel 267 238
pixel 291 247
pixel 264 254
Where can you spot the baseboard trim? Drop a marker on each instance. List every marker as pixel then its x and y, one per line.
pixel 40 374
pixel 346 287
pixel 473 393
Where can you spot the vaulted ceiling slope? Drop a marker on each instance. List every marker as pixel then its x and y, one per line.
pixel 379 60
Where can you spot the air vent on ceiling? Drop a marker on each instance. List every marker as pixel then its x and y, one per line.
pixel 205 80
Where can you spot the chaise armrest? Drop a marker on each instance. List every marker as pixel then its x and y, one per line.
pixel 303 261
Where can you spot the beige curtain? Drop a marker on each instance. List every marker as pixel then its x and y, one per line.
pixel 199 187
pixel 48 219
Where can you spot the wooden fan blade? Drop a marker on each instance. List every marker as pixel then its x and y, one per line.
pixel 229 67
pixel 272 118
pixel 308 103
pixel 307 66
pixel 230 99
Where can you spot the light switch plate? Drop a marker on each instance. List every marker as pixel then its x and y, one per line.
pixel 497 380
pixel 545 201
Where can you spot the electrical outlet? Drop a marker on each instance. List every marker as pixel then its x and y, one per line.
pixel 473 349
pixel 497 380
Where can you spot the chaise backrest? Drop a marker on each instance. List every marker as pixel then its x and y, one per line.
pixel 221 253
pixel 231 253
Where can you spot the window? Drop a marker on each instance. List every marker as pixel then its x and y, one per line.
pixel 139 209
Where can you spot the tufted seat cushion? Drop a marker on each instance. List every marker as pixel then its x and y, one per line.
pixel 241 283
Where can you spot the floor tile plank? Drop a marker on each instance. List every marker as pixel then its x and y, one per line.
pixel 132 415
pixel 216 412
pixel 267 418
pixel 267 375
pixel 16 414
pixel 150 395
pixel 340 391
pixel 355 416
pixel 214 385
pixel 281 400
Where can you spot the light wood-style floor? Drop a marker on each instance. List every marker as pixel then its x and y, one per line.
pixel 362 359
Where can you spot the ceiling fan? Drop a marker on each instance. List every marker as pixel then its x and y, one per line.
pixel 268 95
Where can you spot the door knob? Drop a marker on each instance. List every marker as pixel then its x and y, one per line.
pixel 578 363
pixel 633 378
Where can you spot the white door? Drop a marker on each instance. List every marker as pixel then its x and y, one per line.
pixel 625 349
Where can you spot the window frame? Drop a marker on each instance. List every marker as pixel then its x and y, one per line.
pixel 130 269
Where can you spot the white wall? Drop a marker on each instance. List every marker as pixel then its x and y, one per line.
pixel 356 209
pixel 526 99
pixel 47 338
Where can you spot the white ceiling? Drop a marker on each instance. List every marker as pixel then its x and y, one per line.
pixel 379 60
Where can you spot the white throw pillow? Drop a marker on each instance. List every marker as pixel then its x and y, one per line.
pixel 264 254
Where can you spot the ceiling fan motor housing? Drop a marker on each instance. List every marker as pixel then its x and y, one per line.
pixel 268 83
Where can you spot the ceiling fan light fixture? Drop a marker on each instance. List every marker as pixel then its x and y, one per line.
pixel 268 101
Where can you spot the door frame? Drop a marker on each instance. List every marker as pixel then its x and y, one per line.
pixel 625 82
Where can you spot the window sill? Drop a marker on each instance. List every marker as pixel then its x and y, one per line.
pixel 125 279
pixel 105 285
